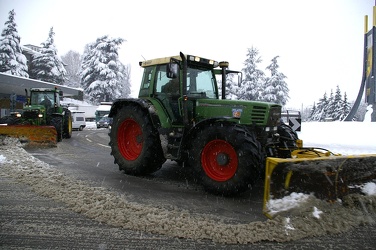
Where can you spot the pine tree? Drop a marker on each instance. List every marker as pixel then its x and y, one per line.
pixel 313 112
pixel 102 74
pixel 250 88
pixel 329 108
pixel 333 107
pixel 125 82
pixel 337 105
pixel 275 88
pixel 320 112
pixel 345 108
pixel 12 61
pixel 231 87
pixel 47 66
pixel 72 63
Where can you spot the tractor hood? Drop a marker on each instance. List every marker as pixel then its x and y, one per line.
pixel 247 112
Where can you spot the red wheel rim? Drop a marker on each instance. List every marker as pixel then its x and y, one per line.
pixel 219 160
pixel 130 141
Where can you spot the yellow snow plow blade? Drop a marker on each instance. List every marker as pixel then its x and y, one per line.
pixel 314 172
pixel 31 134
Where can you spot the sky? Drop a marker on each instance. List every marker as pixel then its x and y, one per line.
pixel 319 43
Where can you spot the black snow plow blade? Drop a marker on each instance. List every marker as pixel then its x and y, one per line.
pixel 327 178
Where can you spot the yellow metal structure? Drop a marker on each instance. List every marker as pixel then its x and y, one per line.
pixel 316 171
pixel 31 134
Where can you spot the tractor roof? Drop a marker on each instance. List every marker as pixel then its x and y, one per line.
pixel 157 61
pixel 190 58
pixel 43 89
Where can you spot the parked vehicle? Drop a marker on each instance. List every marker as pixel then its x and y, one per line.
pixel 78 120
pixel 104 122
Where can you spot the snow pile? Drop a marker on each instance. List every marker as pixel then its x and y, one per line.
pixel 91 125
pixel 369 188
pixel 286 203
pixel 310 217
pixel 316 213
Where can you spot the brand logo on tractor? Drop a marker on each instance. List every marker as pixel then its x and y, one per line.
pixel 236 113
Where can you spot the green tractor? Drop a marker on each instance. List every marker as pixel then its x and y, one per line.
pixel 180 115
pixel 43 115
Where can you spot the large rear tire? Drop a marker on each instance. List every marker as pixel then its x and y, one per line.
pixel 57 122
pixel 67 128
pixel 226 157
pixel 134 142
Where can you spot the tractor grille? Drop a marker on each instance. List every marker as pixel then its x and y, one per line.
pixel 258 114
pixel 32 114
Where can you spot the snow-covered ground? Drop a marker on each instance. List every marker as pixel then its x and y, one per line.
pixel 346 138
pixel 294 213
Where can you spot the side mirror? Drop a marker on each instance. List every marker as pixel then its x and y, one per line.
pixel 172 70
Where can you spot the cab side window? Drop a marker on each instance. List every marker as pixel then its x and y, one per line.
pixel 146 80
pixel 164 84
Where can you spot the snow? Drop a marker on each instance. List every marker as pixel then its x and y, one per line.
pixel 2 158
pixel 369 188
pixel 346 138
pixel 293 214
pixel 91 125
pixel 316 213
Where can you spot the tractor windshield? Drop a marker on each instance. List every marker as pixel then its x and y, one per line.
pixel 201 82
pixel 42 98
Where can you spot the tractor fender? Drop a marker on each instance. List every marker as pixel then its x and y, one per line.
pixel 144 104
pixel 204 124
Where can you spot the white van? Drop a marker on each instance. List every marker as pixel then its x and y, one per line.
pixel 78 119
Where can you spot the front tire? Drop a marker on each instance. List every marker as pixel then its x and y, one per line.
pixel 287 141
pixel 57 122
pixel 226 157
pixel 135 142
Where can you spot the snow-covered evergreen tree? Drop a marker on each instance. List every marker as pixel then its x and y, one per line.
pixel 320 112
pixel 125 82
pixel 345 108
pixel 72 63
pixel 337 105
pixel 250 88
pixel 329 108
pixel 231 87
pixel 275 88
pixel 47 65
pixel 12 61
pixel 334 108
pixel 102 74
pixel 313 112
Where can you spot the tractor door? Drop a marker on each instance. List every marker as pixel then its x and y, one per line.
pixel 168 92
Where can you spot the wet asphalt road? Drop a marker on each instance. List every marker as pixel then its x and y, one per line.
pixel 35 222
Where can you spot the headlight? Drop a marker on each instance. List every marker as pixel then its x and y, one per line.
pixel 40 115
